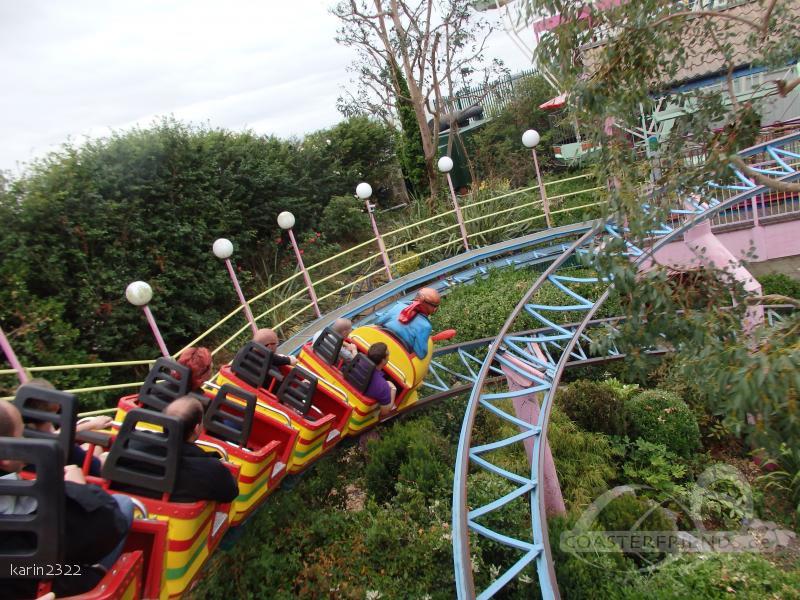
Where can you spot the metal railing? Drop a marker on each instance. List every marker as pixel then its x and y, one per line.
pixel 426 240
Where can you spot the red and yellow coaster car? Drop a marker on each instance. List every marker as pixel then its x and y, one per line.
pixel 176 538
pixel 260 445
pixel 404 369
pixel 316 409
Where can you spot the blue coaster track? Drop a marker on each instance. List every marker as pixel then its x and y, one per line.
pixel 560 345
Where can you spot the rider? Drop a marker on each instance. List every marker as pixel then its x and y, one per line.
pixel 410 322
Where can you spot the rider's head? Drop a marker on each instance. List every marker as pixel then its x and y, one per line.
pixel 429 300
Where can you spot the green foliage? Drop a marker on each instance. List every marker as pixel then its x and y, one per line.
pixel 344 220
pixel 661 417
pixel 718 576
pixel 411 453
pixel 406 263
pixel 621 389
pixel 480 308
pixel 355 150
pixel 626 513
pixel 584 461
pixel 496 148
pixel 655 466
pixel 593 406
pixel 787 475
pixel 778 283
pixel 722 496
pixel 147 204
pixel 410 153
pixel 591 575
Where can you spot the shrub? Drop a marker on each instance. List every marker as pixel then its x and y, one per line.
pixel 586 575
pixel 716 577
pixel 344 220
pixel 778 283
pixel 662 417
pixel 629 513
pixel 584 461
pixel 623 390
pixel 655 466
pixel 412 453
pixel 407 266
pixel 594 406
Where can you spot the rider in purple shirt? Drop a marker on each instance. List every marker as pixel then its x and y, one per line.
pixel 384 392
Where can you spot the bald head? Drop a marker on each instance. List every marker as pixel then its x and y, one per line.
pixel 429 300
pixel 188 411
pixel 10 420
pixel 266 337
pixel 343 327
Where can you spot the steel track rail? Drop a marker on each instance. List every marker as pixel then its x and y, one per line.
pixel 561 345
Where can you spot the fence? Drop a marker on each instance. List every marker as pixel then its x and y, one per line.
pixel 339 278
pixel 492 97
pixel 350 273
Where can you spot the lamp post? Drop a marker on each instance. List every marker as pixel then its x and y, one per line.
pixel 530 139
pixel 445 165
pixel 223 249
pixel 139 293
pixel 12 358
pixel 364 191
pixel 286 221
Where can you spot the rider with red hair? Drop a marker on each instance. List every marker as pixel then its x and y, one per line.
pixel 198 359
pixel 410 323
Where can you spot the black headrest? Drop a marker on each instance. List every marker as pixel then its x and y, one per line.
pixel 145 458
pixel 252 364
pixel 358 372
pixel 297 390
pixel 38 537
pixel 165 382
pixel 234 423
pixel 328 345
pixel 63 420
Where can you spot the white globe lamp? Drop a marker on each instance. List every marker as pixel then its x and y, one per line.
pixel 530 138
pixel 286 220
pixel 445 164
pixel 139 293
pixel 223 248
pixel 364 190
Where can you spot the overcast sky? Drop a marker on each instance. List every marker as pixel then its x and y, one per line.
pixel 84 67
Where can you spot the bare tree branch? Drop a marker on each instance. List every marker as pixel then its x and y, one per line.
pixel 765 180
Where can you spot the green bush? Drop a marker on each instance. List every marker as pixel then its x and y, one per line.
pixel 629 513
pixel 594 406
pixel 413 454
pixel 586 575
pixel 584 460
pixel 778 283
pixel 655 466
pixel 344 220
pixel 662 417
pixel 718 576
pixel 406 266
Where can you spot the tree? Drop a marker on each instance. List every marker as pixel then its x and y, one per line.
pixel 619 65
pixel 425 41
pixel 496 147
pixel 148 204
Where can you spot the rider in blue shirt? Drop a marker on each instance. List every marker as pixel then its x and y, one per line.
pixel 410 322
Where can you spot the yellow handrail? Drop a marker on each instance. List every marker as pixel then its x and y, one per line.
pixel 422 237
pixel 418 223
pixel 280 286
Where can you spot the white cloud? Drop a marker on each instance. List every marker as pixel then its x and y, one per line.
pixel 86 67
